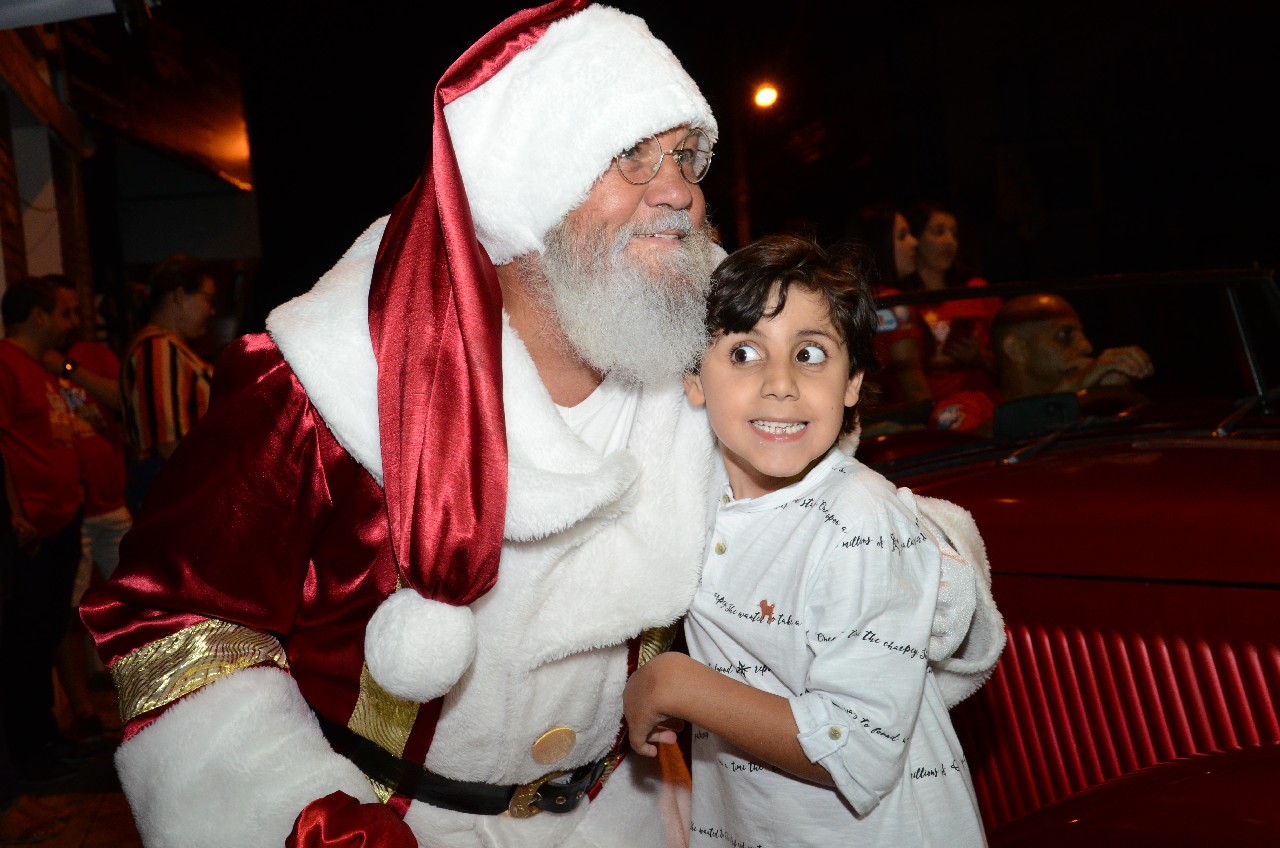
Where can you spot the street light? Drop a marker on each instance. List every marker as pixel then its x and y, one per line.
pixel 765 96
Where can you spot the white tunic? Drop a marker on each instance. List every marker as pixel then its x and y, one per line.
pixel 824 593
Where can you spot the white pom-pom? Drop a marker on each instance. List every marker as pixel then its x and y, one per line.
pixel 418 648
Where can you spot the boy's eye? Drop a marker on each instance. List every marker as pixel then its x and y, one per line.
pixel 744 353
pixel 812 354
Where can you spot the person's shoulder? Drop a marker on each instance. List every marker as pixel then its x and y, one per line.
pixel 16 360
pixel 86 348
pixel 97 357
pixel 859 491
pixel 10 361
pixel 983 307
pixel 252 356
pixel 149 337
pixel 253 377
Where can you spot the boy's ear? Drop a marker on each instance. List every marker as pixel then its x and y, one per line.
pixel 853 390
pixel 693 389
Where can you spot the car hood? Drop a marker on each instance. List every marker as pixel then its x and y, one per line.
pixel 1146 505
pixel 1221 799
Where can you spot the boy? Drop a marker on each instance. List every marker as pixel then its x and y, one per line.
pixel 818 720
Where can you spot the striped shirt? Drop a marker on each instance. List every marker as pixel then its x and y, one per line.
pixel 165 387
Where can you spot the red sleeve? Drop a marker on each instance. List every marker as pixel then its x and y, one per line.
pixel 227 528
pixel 963 411
pixel 340 821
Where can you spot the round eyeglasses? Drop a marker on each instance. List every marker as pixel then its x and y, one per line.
pixel 639 163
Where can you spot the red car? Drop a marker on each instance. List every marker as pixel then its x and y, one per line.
pixel 1134 544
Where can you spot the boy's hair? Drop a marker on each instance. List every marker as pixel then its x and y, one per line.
pixel 741 285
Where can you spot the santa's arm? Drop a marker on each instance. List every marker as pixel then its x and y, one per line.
pixel 232 764
pixel 224 750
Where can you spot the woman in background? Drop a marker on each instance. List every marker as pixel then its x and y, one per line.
pixel 884 229
pixel 957 354
pixel 164 383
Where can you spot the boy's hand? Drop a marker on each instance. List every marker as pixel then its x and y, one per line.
pixel 647 724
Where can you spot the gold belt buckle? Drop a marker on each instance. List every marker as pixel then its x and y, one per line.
pixel 521 806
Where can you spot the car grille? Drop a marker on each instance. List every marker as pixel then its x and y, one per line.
pixel 1067 709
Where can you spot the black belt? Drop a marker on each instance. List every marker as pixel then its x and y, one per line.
pixel 556 792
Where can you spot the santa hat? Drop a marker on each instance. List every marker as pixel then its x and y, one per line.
pixel 525 122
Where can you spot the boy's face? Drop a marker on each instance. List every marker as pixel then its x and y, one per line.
pixel 776 395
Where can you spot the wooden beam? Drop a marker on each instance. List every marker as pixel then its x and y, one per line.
pixel 22 71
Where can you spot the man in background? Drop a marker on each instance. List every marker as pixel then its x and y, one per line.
pixel 37 438
pixel 1040 348
pixel 89 377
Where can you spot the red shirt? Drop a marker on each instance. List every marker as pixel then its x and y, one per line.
pixel 941 318
pixel 37 436
pixel 100 439
pixel 894 324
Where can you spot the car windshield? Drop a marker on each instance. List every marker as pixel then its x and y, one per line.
pixel 1213 340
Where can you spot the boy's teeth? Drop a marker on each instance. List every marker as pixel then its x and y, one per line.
pixel 778 426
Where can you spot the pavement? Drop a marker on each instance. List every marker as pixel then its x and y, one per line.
pixel 100 816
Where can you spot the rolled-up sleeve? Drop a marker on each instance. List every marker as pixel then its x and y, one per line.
pixel 870 616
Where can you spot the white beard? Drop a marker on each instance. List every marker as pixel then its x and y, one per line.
pixel 644 324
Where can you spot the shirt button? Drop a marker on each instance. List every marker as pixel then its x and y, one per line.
pixel 720 548
pixel 554 745
pixel 724 499
pixel 834 733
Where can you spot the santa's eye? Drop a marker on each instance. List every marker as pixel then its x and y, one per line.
pixel 811 354
pixel 744 353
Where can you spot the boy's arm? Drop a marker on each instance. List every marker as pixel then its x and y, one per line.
pixel 675 686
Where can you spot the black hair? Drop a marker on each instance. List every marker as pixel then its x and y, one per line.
pixel 918 220
pixel 21 297
pixel 874 227
pixel 178 271
pixel 744 281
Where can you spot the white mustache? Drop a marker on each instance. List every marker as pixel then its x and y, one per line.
pixel 677 220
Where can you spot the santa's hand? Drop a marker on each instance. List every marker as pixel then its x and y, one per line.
pixel 339 821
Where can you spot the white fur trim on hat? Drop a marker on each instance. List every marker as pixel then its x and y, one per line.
pixel 532 140
pixel 418 648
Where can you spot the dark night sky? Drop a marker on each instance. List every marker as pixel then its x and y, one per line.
pixel 1098 136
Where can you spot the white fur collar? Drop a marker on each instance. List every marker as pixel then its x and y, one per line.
pixel 324 336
